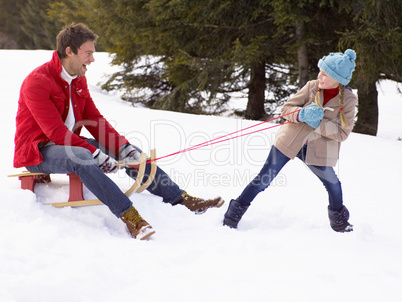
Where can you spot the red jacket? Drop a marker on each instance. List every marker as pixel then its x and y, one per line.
pixel 43 107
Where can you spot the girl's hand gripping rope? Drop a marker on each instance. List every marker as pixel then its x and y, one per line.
pixel 311 115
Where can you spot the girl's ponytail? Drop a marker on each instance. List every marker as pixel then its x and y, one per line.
pixel 344 122
pixel 317 98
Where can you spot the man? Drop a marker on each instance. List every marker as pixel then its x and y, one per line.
pixel 54 105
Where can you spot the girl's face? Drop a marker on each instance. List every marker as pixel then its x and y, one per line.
pixel 325 81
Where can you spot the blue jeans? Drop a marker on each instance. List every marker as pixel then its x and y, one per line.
pixel 275 162
pixel 68 159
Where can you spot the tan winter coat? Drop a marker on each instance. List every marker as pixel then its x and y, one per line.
pixel 324 142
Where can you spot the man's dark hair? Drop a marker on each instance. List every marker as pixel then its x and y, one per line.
pixel 73 35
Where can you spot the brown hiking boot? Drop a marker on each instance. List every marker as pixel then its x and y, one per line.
pixel 137 226
pixel 199 205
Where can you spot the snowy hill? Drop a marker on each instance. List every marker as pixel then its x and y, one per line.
pixel 283 251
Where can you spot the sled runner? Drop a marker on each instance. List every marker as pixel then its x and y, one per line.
pixel 76 198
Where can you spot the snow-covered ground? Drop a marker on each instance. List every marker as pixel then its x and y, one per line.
pixel 284 249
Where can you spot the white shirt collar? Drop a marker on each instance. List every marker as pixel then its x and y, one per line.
pixel 66 76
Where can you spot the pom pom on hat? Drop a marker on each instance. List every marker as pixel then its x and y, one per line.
pixel 339 66
pixel 351 53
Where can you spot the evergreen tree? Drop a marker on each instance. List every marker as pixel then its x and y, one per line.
pixel 310 29
pixel 376 36
pixel 194 53
pixel 25 24
pixel 202 50
pixel 11 35
pixel 36 25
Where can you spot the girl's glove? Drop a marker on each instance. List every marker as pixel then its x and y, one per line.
pixel 129 154
pixel 105 162
pixel 311 115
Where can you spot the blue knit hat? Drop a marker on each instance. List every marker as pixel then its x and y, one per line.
pixel 339 66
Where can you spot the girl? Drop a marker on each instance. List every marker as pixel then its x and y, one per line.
pixel 321 116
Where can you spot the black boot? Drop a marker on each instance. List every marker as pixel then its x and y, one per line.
pixel 234 213
pixel 339 220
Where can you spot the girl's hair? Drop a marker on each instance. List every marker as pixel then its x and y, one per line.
pixel 73 36
pixel 344 122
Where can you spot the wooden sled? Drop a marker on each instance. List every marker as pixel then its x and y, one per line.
pixel 76 199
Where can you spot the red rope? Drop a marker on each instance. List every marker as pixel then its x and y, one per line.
pixel 220 139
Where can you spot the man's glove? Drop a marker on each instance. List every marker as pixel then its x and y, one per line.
pixel 128 154
pixel 105 162
pixel 311 115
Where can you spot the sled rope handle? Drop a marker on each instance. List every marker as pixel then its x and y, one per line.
pixel 224 138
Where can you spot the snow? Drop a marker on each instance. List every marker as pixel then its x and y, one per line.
pixel 283 250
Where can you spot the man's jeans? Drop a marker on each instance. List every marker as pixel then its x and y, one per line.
pixel 68 159
pixel 275 162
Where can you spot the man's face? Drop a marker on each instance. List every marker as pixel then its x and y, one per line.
pixel 76 64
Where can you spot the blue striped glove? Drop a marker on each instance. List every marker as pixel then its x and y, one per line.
pixel 311 115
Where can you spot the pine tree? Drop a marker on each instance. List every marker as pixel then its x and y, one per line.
pixel 36 25
pixel 11 35
pixel 376 36
pixel 310 30
pixel 25 24
pixel 201 50
pixel 192 54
